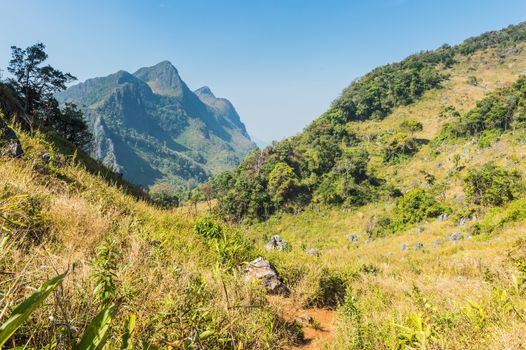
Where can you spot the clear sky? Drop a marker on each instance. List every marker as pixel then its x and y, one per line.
pixel 281 62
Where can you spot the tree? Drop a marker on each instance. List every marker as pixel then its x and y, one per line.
pixel 492 185
pixel 35 86
pixel 282 183
pixel 35 83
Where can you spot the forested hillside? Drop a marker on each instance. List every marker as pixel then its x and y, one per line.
pixel 396 220
pixel 329 162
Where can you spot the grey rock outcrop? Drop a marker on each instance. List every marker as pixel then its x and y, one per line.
pixel 263 271
pixel 455 236
pixel 276 243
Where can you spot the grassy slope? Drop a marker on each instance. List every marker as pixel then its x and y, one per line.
pixel 448 274
pixel 176 290
pixel 166 275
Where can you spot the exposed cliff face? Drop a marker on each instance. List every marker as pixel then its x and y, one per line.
pixel 151 127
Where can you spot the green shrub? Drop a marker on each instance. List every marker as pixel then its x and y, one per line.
pixel 411 125
pixel 208 228
pixel 448 112
pixel 164 195
pixel 492 185
pixel 415 206
pixel 399 147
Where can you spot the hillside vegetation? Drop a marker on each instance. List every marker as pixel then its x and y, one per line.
pixel 401 216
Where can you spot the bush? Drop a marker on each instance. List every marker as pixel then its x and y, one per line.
pixel 415 206
pixel 492 185
pixel 448 112
pixel 411 125
pixel 399 147
pixel 164 195
pixel 208 228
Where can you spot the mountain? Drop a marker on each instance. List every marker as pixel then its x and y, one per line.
pixel 151 127
pixel 396 220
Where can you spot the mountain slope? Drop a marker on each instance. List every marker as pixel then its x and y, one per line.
pixel 151 127
pixel 332 162
pixel 434 256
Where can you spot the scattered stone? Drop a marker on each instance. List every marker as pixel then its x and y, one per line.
pixel 314 252
pixel 437 242
pixel 276 243
pixel 440 165
pixel 352 237
pixel 46 157
pixel 404 247
pixel 263 271
pixel 155 243
pixel 456 236
pixel 419 230
pixel 462 221
pixel 514 51
pixel 419 246
pixel 9 143
pixel 443 217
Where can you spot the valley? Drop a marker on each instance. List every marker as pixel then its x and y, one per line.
pixel 396 220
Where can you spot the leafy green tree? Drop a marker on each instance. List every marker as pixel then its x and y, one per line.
pixel 415 206
pixel 492 185
pixel 282 183
pixel 34 82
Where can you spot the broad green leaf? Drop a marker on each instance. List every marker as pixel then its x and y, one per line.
pixel 22 312
pixel 97 332
pixel 129 325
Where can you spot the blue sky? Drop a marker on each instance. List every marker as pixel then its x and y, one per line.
pixel 281 62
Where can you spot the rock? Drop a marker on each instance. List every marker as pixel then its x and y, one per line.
pixel 419 230
pixel 263 271
pixel 352 237
pixel 462 221
pixel 276 243
pixel 455 236
pixel 437 242
pixel 404 247
pixel 46 157
pixel 443 217
pixel 419 246
pixel 9 143
pixel 440 165
pixel 314 252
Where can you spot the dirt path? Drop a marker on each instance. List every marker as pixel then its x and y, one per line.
pixel 318 324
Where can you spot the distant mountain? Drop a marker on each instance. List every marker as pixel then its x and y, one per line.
pixel 151 127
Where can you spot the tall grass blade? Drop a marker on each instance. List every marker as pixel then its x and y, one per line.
pixel 97 332
pixel 22 312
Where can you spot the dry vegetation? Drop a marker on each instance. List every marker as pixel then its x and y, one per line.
pixel 186 291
